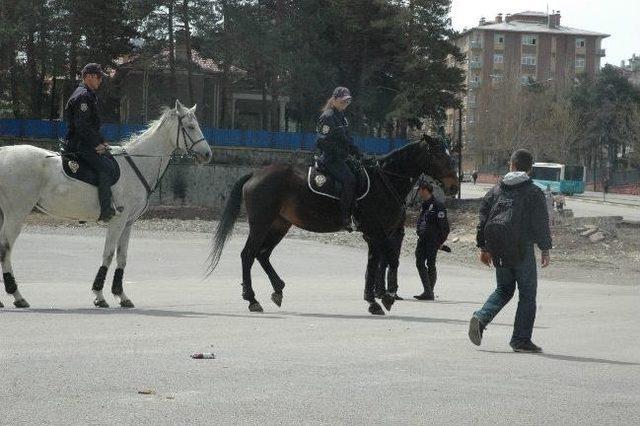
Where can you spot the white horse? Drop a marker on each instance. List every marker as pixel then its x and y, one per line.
pixel 33 177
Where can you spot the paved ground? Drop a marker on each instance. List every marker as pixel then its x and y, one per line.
pixel 588 204
pixel 319 359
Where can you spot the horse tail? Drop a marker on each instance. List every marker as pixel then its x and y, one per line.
pixel 227 221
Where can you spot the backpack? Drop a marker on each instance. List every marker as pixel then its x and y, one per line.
pixel 502 231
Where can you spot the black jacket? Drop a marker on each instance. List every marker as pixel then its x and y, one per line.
pixel 535 220
pixel 334 139
pixel 433 225
pixel 83 120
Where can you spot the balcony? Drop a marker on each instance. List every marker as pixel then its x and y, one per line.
pixel 600 52
pixel 475 44
pixel 475 65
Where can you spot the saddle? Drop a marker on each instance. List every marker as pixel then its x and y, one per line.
pixel 322 183
pixel 76 168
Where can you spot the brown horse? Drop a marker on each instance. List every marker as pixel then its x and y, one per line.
pixel 277 197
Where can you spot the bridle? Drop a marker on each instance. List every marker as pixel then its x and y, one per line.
pixel 186 135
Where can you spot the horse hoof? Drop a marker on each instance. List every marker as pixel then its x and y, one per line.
pixel 388 301
pixel 21 303
pixel 277 299
pixel 126 304
pixel 1 305
pixel 100 303
pixel 255 307
pixel 376 309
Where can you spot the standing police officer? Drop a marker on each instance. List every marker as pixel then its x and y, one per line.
pixel 433 230
pixel 336 144
pixel 83 134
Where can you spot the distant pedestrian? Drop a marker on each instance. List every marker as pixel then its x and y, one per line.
pixel 513 217
pixel 559 200
pixel 548 198
pixel 474 176
pixel 432 229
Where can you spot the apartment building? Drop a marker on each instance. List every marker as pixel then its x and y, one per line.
pixel 631 70
pixel 522 48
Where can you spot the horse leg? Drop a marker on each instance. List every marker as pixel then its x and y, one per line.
pixel 278 230
pixel 371 275
pixel 113 235
pixel 9 230
pixel 121 262
pixel 248 256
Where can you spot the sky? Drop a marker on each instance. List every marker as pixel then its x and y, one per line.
pixel 619 18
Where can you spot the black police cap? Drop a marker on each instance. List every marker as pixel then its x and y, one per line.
pixel 93 68
pixel 341 93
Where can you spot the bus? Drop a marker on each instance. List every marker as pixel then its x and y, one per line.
pixel 562 179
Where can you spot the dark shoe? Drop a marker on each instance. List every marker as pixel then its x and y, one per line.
pixel 526 347
pixel 476 328
pixel 425 296
pixel 107 214
pixel 396 297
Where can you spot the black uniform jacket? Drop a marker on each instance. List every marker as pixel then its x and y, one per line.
pixel 334 139
pixel 83 120
pixel 433 225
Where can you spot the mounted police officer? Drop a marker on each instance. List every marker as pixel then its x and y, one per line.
pixel 336 144
pixel 432 229
pixel 83 134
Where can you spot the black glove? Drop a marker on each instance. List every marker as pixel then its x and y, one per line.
pixel 445 248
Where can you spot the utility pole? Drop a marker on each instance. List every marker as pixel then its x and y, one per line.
pixel 460 152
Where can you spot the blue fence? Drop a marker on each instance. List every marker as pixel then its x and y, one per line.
pixel 42 129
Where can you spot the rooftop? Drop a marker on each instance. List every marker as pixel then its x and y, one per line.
pixel 532 27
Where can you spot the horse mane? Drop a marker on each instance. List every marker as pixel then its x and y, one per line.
pixel 398 153
pixel 152 127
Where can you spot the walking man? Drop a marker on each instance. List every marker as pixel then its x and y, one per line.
pixel 513 217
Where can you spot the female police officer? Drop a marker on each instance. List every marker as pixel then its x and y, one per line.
pixel 336 144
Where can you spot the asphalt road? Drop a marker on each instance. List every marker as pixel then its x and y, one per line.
pixel 320 359
pixel 588 204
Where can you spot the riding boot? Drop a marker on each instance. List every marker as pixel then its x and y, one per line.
pixel 427 293
pixel 104 196
pixel 345 207
pixel 433 276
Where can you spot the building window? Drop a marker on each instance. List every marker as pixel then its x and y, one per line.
pixel 527 79
pixel 498 38
pixel 579 62
pixel 580 42
pixel 529 40
pixel 498 58
pixel 528 60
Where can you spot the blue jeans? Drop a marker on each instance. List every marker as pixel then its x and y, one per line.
pixel 525 274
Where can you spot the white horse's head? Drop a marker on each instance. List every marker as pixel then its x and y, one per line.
pixel 189 137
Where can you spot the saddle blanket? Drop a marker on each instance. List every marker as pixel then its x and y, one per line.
pixel 323 184
pixel 76 168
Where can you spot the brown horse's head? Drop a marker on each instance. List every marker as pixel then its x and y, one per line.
pixel 437 163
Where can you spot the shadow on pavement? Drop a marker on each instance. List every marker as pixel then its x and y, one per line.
pixel 568 358
pixel 169 313
pixel 389 316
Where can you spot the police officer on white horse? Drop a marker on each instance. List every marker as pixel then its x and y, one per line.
pixel 82 115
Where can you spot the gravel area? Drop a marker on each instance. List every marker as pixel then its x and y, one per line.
pixel 574 257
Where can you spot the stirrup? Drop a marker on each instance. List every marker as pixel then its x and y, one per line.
pixel 106 215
